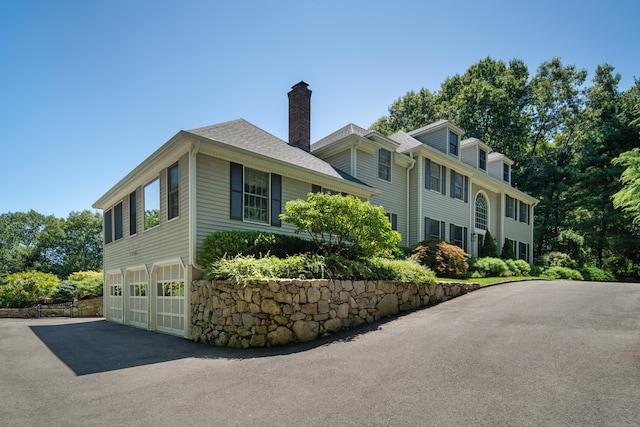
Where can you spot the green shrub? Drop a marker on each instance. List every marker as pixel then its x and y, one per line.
pixel 487 267
pixel 255 243
pixel 22 289
pixel 489 248
pixel 595 274
pixel 558 259
pixel 507 250
pixel 562 273
pixel 444 259
pixel 343 225
pixel 67 290
pixel 524 268
pixel 312 266
pixel 88 283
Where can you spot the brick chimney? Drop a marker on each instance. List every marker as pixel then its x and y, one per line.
pixel 300 116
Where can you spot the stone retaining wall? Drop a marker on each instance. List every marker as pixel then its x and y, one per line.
pixel 280 312
pixel 83 308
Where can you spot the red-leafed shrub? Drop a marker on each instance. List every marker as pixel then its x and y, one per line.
pixel 445 259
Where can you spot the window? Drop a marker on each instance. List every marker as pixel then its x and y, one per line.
pixel 453 144
pixel 506 172
pixel 152 204
pixel 384 164
pixel 393 219
pixel 482 159
pixel 133 217
pixel 523 251
pixel 458 236
pixel 435 176
pixel 481 212
pixel 525 214
pixel 255 195
pixel 117 221
pixel 433 229
pixel 173 185
pixel 510 207
pixel 459 186
pixel 108 227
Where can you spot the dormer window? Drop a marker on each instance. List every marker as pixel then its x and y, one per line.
pixel 384 164
pixel 482 159
pixel 454 143
pixel 506 172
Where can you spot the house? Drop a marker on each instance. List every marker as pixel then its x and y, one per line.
pixel 236 176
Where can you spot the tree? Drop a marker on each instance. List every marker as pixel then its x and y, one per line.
pixel 507 250
pixel 489 247
pixel 343 224
pixel 410 112
pixel 628 197
pixel 20 289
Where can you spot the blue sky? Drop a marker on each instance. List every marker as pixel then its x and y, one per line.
pixel 89 89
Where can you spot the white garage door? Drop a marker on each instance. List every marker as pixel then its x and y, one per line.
pixel 170 299
pixel 138 298
pixel 113 283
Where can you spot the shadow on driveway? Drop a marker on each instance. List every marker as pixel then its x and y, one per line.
pixel 90 347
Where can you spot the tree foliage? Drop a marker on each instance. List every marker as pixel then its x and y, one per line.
pixel 32 241
pixel 20 289
pixel 344 225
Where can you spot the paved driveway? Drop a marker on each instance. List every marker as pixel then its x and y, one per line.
pixel 528 353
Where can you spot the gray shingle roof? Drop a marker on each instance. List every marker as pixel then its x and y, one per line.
pixel 343 132
pixel 242 134
pixel 406 142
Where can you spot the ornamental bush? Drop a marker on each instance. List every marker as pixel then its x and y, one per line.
pixel 487 267
pixel 507 250
pixel 562 273
pixel 558 259
pixel 343 225
pixel 22 289
pixel 595 274
pixel 444 259
pixel 489 248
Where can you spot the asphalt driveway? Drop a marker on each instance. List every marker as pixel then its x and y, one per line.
pixel 527 353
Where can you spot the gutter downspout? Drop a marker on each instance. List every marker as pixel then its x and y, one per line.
pixel 192 204
pixel 413 163
pixel 354 155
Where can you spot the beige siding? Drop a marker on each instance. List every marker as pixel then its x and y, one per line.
pixel 169 240
pixel 341 161
pixel 469 156
pixel 437 139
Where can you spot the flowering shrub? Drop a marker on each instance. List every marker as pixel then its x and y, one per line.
pixel 22 289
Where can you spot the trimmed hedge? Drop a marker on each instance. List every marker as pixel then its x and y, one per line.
pixel 595 274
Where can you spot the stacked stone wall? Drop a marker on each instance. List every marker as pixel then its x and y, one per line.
pixel 83 308
pixel 280 312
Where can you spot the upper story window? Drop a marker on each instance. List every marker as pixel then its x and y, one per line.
pixel 384 164
pixel 173 187
pixel 435 176
pixel 454 143
pixel 108 226
pixel 459 186
pixel 152 204
pixel 482 159
pixel 118 221
pixel 506 172
pixel 510 207
pixel 255 195
pixel 481 212
pixel 525 213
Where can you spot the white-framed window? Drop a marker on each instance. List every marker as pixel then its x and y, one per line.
pixel 525 213
pixel 152 204
pixel 435 176
pixel 510 207
pixel 384 164
pixel 482 159
pixel 433 229
pixel 457 185
pixel 393 219
pixel 481 212
pixel 523 251
pixel 506 172
pixel 458 236
pixel 256 195
pixel 454 143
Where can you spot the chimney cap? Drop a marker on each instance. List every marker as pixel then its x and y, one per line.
pixel 302 83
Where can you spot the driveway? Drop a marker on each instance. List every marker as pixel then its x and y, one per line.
pixel 526 353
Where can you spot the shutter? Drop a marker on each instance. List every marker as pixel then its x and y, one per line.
pixel 427 175
pixel 452 233
pixel 442 229
pixel 453 183
pixel 236 191
pixel 444 180
pixel 394 222
pixel 276 199
pixel 465 240
pixel 427 228
pixel 466 189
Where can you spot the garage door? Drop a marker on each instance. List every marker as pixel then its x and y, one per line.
pixel 170 299
pixel 138 298
pixel 113 282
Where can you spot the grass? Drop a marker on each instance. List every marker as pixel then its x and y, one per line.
pixel 485 281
